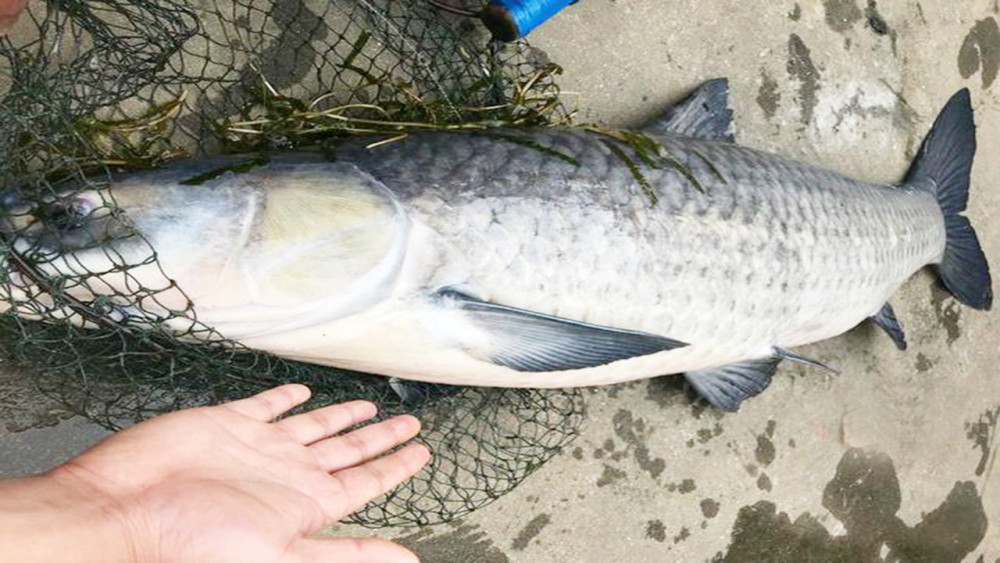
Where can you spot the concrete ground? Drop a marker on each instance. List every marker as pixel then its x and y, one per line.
pixel 892 460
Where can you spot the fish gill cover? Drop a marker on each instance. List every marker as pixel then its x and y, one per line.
pixel 93 87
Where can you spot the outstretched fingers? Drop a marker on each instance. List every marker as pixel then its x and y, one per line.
pixel 271 404
pixel 352 488
pixel 322 423
pixel 350 550
pixel 363 444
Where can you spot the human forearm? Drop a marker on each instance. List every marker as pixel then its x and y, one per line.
pixel 54 517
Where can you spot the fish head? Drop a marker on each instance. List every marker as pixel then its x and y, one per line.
pixel 263 249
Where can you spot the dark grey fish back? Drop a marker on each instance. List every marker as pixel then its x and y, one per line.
pixel 730 179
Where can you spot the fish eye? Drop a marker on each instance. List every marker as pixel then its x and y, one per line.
pixel 68 214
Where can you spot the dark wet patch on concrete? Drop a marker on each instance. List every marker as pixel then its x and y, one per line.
pixel 764 482
pixel 683 535
pixel 923 363
pixel 768 97
pixel 949 532
pixel 609 475
pixel 879 26
pixel 983 434
pixel 578 453
pixel 947 312
pixel 981 51
pixel 633 432
pixel 841 15
pixel 464 543
pixel 23 407
pixel 709 508
pixel 530 531
pixel 686 486
pixel 655 530
pixel 865 496
pixel 875 20
pixel 800 67
pixel 666 390
pixel 706 434
pixel 701 407
pixel 608 450
pixel 796 13
pixel 649 464
pixel 765 452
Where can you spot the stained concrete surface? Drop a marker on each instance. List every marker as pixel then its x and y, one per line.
pixel 893 459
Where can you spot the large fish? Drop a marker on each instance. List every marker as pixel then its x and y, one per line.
pixel 536 258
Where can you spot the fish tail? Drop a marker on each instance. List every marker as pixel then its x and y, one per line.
pixel 943 167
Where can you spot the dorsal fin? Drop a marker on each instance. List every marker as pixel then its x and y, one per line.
pixel 704 114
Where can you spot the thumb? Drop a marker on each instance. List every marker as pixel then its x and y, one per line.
pixel 350 550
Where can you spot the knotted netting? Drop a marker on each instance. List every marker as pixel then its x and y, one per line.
pixel 92 88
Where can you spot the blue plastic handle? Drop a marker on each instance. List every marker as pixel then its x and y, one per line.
pixel 512 19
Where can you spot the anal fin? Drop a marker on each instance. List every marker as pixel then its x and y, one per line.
pixel 886 319
pixel 727 386
pixel 533 342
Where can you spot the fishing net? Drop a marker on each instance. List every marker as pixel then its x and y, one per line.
pixel 91 88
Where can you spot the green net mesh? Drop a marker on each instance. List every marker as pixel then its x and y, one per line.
pixel 93 87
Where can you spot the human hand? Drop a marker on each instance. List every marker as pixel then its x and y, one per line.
pixel 10 10
pixel 225 483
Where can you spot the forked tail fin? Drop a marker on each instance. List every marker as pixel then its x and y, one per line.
pixel 944 165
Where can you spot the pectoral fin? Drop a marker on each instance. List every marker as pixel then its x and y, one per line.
pixel 528 341
pixel 727 386
pixel 886 318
